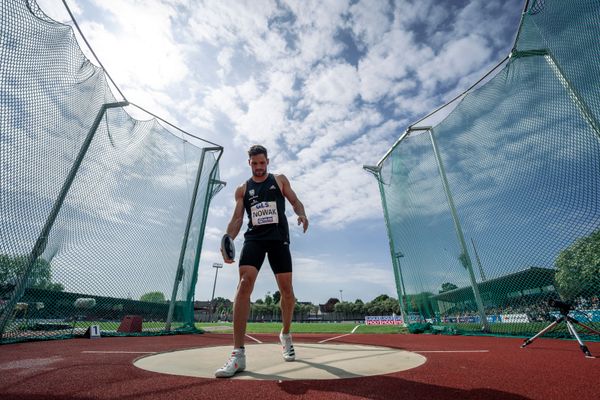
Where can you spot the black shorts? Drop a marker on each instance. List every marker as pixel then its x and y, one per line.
pixel 253 253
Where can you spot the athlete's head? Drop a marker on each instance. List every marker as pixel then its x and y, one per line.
pixel 258 160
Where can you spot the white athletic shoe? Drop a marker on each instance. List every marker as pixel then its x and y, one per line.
pixel 236 363
pixel 288 347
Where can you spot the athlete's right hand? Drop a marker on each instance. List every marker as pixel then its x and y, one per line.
pixel 225 259
pixel 227 249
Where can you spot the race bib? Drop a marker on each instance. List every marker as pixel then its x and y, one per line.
pixel 264 213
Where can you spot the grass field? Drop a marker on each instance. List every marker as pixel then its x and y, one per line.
pixel 307 327
pixel 519 330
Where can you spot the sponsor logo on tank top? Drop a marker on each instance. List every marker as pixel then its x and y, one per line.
pixel 264 213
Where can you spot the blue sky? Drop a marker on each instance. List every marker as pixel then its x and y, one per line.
pixel 326 86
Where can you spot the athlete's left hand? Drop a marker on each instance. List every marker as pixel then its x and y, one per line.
pixel 304 221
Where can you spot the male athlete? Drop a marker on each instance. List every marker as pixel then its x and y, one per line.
pixel 263 198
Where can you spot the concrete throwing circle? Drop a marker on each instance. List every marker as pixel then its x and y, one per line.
pixel 264 361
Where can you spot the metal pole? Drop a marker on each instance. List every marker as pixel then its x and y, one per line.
pixel 186 233
pixel 216 266
pixel 376 171
pixel 585 111
pixel 207 198
pixel 42 240
pixel 483 278
pixel 398 256
pixel 465 254
pixel 573 94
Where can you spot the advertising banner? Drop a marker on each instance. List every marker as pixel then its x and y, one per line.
pixel 383 320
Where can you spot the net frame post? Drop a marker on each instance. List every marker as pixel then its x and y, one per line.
pixel 572 93
pixel 179 271
pixel 376 171
pixel 186 233
pixel 42 240
pixel 457 227
pixel 210 193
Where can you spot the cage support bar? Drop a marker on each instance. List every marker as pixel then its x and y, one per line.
pixel 465 258
pixel 42 240
pixel 207 199
pixel 397 271
pixel 186 234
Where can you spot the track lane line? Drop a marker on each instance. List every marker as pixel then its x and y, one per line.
pixel 341 336
pixel 253 338
pixel 450 351
pixel 117 352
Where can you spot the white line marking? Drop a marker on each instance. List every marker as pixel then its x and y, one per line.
pixel 337 337
pixel 451 351
pixel 255 339
pixel 120 352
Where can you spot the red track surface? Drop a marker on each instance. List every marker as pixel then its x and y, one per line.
pixel 546 369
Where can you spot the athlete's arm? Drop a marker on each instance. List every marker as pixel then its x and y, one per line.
pixel 234 226
pixel 288 193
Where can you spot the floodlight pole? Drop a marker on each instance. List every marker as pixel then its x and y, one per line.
pixel 466 259
pixel 216 266
pixel 376 171
pixel 42 240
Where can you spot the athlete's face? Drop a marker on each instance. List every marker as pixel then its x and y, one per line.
pixel 258 164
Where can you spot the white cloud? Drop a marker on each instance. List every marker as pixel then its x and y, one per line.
pixel 249 71
pixel 139 49
pixel 333 84
pixel 224 60
pixel 390 62
pixel 254 127
pixel 316 24
pixel 457 59
pixel 57 11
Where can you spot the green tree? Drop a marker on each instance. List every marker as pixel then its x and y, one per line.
pixel 40 277
pixel 329 306
pixel 381 297
pixel 342 307
pixel 421 303
pixel 373 308
pixel 223 304
pixel 259 310
pixel 578 268
pixel 358 307
pixel 446 287
pixel 276 297
pixel 153 297
pixel 268 300
pixel 390 306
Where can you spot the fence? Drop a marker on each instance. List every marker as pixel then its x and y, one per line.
pixel 495 210
pixel 102 215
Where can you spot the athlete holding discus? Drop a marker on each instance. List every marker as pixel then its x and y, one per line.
pixel 263 198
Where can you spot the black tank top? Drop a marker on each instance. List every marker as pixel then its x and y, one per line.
pixel 265 207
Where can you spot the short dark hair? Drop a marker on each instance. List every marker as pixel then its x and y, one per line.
pixel 256 150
